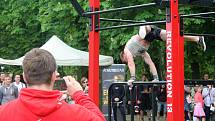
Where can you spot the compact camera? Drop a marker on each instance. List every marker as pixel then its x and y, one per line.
pixel 60 84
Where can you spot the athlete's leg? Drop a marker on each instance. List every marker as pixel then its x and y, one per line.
pixel 197 39
pixel 187 38
pixel 192 38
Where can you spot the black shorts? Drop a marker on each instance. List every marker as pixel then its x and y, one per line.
pixel 154 34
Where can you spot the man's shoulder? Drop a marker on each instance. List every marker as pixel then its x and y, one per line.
pixel 2 88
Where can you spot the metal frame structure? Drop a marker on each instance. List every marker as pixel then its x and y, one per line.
pixel 174 50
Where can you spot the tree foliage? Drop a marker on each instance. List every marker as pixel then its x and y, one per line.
pixel 25 24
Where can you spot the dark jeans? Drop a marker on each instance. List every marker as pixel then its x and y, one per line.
pixel 186 115
pixel 207 113
pixel 121 109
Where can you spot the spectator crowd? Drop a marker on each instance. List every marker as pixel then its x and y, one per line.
pixel 199 101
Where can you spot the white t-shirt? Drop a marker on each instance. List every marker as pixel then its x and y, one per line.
pixel 19 86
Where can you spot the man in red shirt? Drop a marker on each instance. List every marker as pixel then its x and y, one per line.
pixel 39 102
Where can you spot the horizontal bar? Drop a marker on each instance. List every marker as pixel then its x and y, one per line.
pixel 120 20
pixel 200 17
pixel 199 14
pixel 141 82
pixel 194 34
pixel 199 82
pixel 119 9
pixel 186 82
pixel 131 25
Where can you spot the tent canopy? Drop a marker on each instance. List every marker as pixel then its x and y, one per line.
pixel 64 55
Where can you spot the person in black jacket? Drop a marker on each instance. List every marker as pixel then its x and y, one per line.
pixel 161 101
pixel 118 93
pixel 146 102
pixel 117 96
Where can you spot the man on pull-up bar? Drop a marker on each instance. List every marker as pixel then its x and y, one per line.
pixel 139 44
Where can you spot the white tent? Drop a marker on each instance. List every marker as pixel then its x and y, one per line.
pixel 64 55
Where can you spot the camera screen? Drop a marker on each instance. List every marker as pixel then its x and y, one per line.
pixel 60 85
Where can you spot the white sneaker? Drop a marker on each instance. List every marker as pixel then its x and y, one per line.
pixel 202 42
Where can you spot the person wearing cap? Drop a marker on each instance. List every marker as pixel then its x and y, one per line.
pixel 140 43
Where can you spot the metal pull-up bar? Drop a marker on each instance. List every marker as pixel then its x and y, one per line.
pixel 200 17
pixel 131 25
pixel 120 20
pixel 195 34
pixel 186 82
pixel 205 3
pixel 119 9
pixel 198 14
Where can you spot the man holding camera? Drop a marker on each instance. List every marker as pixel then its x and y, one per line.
pixel 39 102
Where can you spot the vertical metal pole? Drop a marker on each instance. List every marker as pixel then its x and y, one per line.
pixel 94 54
pixel 153 103
pixel 131 91
pixel 180 82
pixel 174 64
pixel 109 102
